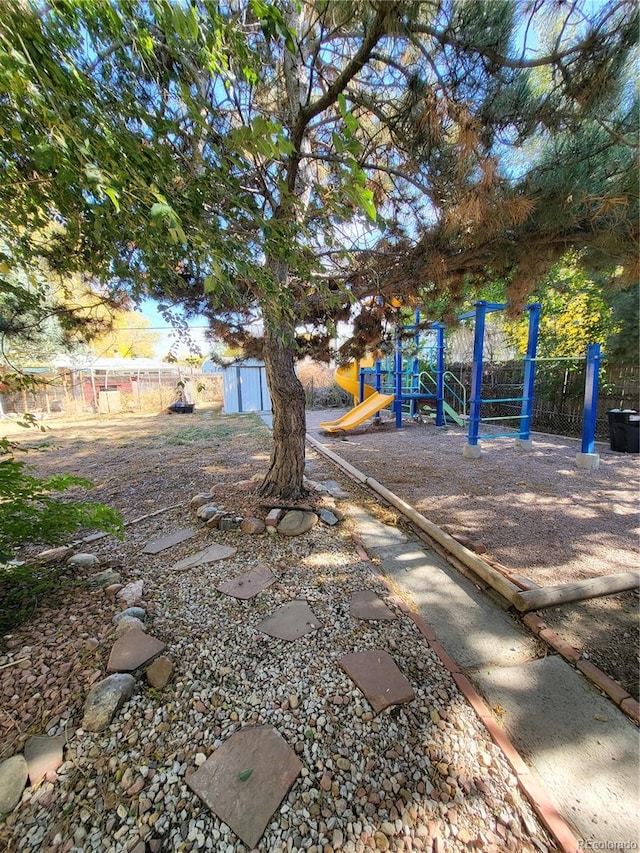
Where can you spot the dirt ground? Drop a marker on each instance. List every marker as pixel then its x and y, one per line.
pixel 536 512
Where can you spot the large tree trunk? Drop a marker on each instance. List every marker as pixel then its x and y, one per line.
pixel 286 469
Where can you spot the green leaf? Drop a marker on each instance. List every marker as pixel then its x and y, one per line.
pixel 367 204
pixel 362 198
pixel 186 25
pixel 351 122
pixel 113 195
pixel 161 209
pixel 244 775
pixel 177 235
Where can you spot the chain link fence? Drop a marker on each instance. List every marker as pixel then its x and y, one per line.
pixel 77 392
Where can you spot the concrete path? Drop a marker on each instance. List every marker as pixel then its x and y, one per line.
pixel 584 749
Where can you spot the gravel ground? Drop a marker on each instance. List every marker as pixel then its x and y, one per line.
pixel 536 512
pixel 424 776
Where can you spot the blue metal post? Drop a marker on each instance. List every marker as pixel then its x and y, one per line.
pixel 476 373
pixel 529 372
pixel 398 380
pixel 440 375
pixel 590 398
pixel 415 366
pixel 378 385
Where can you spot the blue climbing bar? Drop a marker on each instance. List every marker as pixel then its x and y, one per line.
pixel 397 370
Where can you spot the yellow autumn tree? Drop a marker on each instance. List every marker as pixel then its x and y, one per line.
pixel 574 312
pixel 108 329
pixel 129 337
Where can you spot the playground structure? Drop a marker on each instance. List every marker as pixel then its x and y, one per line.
pixel 413 380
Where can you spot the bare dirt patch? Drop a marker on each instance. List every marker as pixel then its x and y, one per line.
pixel 536 512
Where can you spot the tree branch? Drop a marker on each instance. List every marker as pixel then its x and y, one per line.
pixel 447 38
pixel 347 74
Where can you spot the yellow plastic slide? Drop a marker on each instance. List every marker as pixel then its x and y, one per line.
pixel 348 378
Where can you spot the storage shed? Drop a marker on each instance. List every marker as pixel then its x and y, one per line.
pixel 245 389
pixel 211 367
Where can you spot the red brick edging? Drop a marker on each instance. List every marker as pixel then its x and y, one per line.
pixel 604 682
pixel 534 791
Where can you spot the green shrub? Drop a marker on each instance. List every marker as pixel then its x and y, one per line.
pixel 30 512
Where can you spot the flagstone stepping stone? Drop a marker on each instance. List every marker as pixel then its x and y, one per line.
pixel 334 489
pixel 157 545
pixel 366 605
pixel 246 779
pixel 290 622
pixel 43 754
pixel 296 522
pixel 376 674
pixel 133 650
pixel 13 778
pixel 248 584
pixel 105 699
pixel 209 555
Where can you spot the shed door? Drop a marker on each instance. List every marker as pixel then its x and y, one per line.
pixel 250 389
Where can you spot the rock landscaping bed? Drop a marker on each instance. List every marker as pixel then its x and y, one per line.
pixel 243 652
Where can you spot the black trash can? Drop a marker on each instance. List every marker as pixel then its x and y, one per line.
pixel 624 430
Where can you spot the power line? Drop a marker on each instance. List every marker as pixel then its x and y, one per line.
pixel 155 328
